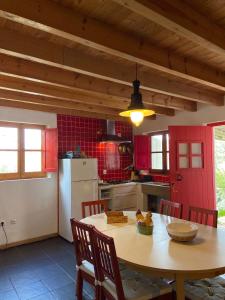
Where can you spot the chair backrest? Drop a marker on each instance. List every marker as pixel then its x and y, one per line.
pixel 203 216
pixel 172 209
pixel 83 242
pixel 107 262
pixel 94 207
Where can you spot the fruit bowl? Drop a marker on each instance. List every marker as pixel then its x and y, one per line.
pixel 182 231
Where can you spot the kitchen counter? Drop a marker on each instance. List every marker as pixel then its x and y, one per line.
pixel 150 183
pixel 107 186
pixel 121 196
pixel 121 193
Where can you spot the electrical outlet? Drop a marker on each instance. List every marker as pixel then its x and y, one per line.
pixel 13 221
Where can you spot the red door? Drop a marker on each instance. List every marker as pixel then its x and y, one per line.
pixel 192 166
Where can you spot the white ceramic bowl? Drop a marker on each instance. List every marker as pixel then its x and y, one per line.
pixel 182 231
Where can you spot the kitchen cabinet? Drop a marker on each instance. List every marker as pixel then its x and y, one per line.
pixel 124 197
pixel 120 196
pixel 142 152
pixel 140 197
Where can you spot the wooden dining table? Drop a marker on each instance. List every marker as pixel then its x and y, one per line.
pixel 159 255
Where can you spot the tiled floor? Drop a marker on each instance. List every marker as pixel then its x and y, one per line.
pixel 39 271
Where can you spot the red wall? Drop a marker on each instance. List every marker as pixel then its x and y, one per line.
pixel 85 132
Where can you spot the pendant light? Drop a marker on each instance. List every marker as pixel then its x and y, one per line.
pixel 136 110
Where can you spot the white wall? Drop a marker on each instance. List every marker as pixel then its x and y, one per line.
pixel 205 114
pixel 31 202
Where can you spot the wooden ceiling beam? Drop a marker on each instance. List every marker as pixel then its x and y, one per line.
pixel 23 69
pixel 53 56
pixel 81 98
pixel 182 19
pixel 37 99
pixel 58 20
pixel 60 110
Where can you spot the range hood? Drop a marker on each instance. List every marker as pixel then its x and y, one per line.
pixel 111 136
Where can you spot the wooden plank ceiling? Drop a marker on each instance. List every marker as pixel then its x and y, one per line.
pixel 78 57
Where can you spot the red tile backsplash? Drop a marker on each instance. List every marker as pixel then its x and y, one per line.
pixel 85 132
pixel 160 178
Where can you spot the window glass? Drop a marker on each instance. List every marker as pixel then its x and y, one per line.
pixel 183 162
pixel 21 151
pixel 33 161
pixel 8 138
pixel 167 161
pixel 160 152
pixel 8 162
pixel 197 162
pixel 183 148
pixel 156 143
pixel 167 142
pixel 157 161
pixel 196 148
pixel 32 139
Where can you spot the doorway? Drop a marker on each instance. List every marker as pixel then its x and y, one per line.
pixel 219 142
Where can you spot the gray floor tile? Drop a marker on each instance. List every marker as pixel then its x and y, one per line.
pixel 57 281
pixel 47 296
pixel 26 292
pixel 9 295
pixel 67 292
pixel 5 284
pixel 24 278
pixel 40 271
pixel 48 271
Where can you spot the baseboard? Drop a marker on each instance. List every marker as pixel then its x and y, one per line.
pixel 29 241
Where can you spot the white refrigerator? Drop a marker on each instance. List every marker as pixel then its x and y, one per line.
pixel 78 182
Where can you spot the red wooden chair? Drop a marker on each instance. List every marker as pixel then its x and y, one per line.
pixel 126 284
pixel 84 252
pixel 202 216
pixel 94 207
pixel 172 209
pixel 196 288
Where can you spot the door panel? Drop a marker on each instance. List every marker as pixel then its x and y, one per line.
pixel 192 166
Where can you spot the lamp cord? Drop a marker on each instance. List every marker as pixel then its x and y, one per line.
pixel 136 70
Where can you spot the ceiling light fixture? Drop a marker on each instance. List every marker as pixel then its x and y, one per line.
pixel 136 111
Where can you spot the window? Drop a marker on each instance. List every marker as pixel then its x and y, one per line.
pixel 190 155
pixel 21 151
pixel 160 152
